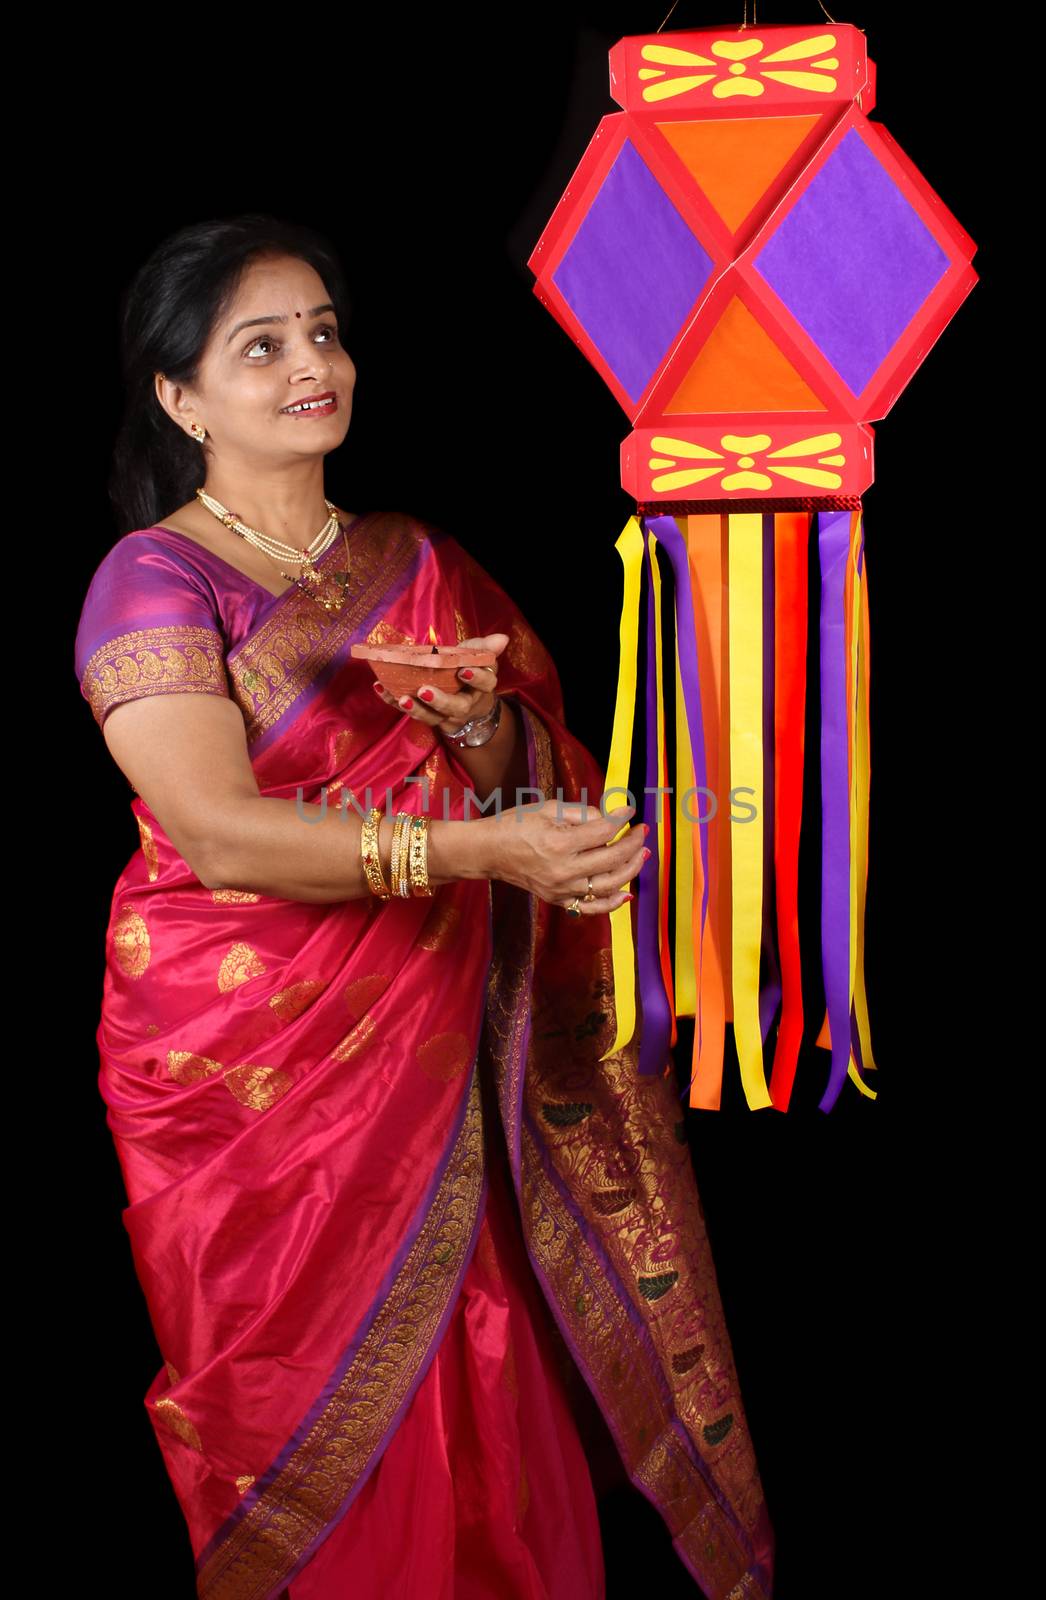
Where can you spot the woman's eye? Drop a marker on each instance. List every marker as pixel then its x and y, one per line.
pixel 267 338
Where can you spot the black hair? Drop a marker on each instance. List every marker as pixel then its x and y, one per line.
pixel 167 314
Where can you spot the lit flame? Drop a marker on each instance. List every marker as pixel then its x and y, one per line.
pixel 432 637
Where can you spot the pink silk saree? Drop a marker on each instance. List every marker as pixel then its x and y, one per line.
pixel 379 1181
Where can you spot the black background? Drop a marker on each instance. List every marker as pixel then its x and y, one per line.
pixel 432 152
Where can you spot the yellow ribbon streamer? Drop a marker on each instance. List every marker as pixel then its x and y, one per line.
pixel 686 837
pixel 630 548
pixel 858 771
pixel 858 796
pixel 745 648
pixel 864 774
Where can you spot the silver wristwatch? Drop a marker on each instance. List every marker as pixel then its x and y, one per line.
pixel 478 730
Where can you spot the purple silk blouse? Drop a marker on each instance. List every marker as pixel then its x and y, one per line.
pixel 159 615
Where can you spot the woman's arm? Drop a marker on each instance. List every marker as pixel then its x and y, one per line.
pixel 186 756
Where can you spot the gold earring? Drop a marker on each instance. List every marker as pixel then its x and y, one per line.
pixel 199 432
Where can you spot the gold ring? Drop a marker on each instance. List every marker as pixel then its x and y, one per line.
pixel 574 908
pixel 588 894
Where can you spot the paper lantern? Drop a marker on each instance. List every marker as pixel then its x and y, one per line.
pixel 756 270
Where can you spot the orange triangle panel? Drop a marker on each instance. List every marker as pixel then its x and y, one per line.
pixel 734 160
pixel 740 368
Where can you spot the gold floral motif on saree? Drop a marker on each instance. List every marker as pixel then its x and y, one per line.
pixel 152 860
pixel 185 1067
pixel 175 659
pixel 354 1040
pixel 239 965
pixel 291 646
pixel 361 993
pixel 173 1417
pixel 131 944
pixel 257 1087
pixel 263 1546
pixel 444 1056
pixel 254 1086
pixel 234 897
pixel 296 998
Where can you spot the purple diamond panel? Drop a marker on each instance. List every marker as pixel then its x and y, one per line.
pixel 632 272
pixel 852 261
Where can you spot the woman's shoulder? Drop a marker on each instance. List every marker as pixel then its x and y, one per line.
pixel 137 551
pixel 141 585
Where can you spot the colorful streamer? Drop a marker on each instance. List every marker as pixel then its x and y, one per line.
pixel 630 548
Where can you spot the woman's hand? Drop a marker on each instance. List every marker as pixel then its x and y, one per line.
pixel 448 712
pixel 556 849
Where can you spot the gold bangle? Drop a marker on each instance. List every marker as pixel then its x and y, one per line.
pixel 405 877
pixel 394 854
pixel 418 842
pixel 398 865
pixel 370 850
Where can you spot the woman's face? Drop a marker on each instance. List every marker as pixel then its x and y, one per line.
pixel 291 352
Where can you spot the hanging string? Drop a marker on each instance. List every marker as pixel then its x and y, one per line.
pixel 744 22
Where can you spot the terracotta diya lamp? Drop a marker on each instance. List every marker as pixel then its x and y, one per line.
pixel 405 668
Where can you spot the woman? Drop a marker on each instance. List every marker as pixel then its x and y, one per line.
pixel 386 1203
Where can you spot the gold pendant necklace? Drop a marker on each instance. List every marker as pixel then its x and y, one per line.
pixel 334 592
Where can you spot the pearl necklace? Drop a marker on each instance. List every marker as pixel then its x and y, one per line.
pixel 276 550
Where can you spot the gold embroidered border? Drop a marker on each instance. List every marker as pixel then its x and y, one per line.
pixel 617 1142
pixel 175 659
pixel 628 1392
pixel 264 1547
pixel 271 668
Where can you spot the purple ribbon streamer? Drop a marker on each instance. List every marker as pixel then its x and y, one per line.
pixel 770 990
pixel 667 533
pixel 833 529
pixel 655 1041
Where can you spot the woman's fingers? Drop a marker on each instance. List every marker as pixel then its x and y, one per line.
pixel 610 878
pixel 601 904
pixel 478 677
pixel 435 705
pixel 466 704
pixel 615 858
